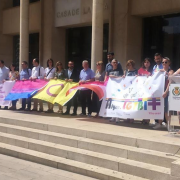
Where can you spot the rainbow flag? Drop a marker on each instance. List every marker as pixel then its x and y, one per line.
pixel 96 86
pixel 25 89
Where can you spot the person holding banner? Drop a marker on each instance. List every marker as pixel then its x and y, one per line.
pixel 13 76
pixel 158 60
pixel 166 68
pixel 37 73
pixel 25 74
pixel 99 76
pixel 49 74
pixel 72 75
pixel 59 74
pixel 131 70
pixel 4 75
pixel 115 72
pixel 146 69
pixel 86 75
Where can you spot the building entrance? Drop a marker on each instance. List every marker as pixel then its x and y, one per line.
pixel 79 45
pixel 162 34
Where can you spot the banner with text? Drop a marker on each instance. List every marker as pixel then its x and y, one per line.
pixel 5 88
pixel 134 97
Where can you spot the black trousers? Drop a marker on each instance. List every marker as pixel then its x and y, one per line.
pixel 86 98
pixel 28 103
pixel 74 102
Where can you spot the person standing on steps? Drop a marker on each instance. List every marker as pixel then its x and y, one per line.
pixel 37 73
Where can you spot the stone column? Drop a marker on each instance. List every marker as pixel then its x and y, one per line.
pixel 24 32
pixel 97 33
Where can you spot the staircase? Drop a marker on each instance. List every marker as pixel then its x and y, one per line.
pixel 90 153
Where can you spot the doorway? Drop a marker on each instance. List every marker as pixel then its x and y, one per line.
pixel 79 44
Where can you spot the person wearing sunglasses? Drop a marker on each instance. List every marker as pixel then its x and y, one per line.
pixel 99 77
pixel 59 74
pixel 166 68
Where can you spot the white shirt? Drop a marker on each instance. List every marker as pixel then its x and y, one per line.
pixel 36 73
pixel 51 74
pixel 4 73
pixel 70 73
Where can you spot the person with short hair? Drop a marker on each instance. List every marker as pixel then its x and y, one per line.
pixel 37 73
pixel 72 75
pixel 158 60
pixel 59 74
pixel 4 75
pixel 110 57
pixel 86 75
pixel 115 71
pixel 24 75
pixel 48 75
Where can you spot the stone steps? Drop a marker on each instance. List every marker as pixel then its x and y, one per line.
pixel 124 151
pixel 145 143
pixel 115 163
pixel 65 164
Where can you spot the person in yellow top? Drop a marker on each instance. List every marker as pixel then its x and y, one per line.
pixel 13 76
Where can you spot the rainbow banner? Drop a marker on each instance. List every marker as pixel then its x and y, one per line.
pixel 52 90
pixel 25 89
pixel 96 86
pixel 134 97
pixel 62 98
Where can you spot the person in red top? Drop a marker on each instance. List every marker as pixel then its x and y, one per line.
pixel 146 68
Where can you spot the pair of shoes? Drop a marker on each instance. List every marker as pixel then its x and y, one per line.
pixel 74 114
pixel 40 110
pixel 153 124
pixel 12 108
pixel 89 115
pixel 66 113
pixel 33 109
pixel 117 120
pixel 60 111
pixel 49 111
pixel 82 114
pixel 157 126
pixel 113 119
pixel 21 109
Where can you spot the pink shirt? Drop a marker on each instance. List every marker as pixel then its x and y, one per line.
pixel 142 72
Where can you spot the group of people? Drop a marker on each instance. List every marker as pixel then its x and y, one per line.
pixel 113 69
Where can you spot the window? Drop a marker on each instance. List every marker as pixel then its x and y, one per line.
pixel 17 2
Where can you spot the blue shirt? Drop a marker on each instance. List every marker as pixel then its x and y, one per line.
pixel 86 74
pixel 156 68
pixel 25 74
pixel 4 73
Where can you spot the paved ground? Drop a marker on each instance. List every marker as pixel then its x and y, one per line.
pixel 17 169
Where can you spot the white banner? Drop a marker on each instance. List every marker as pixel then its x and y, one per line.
pixel 174 97
pixel 5 89
pixel 135 97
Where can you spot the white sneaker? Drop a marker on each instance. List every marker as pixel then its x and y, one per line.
pixel 112 119
pixel 153 124
pixel 157 126
pixel 164 125
pixel 117 120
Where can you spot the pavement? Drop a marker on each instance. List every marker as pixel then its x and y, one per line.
pixel 16 169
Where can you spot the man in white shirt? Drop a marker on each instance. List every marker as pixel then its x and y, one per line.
pixel 4 75
pixel 37 73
